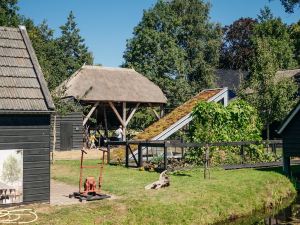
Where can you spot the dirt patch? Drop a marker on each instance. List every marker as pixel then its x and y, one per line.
pixel 60 194
pixel 91 154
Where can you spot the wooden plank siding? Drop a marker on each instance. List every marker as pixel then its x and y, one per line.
pixel 31 133
pixel 76 119
pixel 291 137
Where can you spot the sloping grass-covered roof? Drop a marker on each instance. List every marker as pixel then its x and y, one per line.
pixel 178 113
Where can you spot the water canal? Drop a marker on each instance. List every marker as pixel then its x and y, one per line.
pixel 287 213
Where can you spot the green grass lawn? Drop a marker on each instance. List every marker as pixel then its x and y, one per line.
pixel 189 200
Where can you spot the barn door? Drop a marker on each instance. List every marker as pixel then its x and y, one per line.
pixel 66 136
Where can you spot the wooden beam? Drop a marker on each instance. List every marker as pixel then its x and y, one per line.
pixel 105 122
pixel 90 113
pixel 116 113
pixel 124 120
pixel 132 113
pixel 154 111
pixel 162 111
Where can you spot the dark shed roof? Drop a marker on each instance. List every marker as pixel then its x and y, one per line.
pixel 22 84
pixel 289 118
pixel 234 78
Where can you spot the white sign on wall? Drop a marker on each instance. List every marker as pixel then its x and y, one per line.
pixel 11 176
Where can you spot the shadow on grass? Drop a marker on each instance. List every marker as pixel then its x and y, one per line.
pixel 181 174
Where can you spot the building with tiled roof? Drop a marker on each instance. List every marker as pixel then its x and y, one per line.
pixel 25 111
pixel 22 84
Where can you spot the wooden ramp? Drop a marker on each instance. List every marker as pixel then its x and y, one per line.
pixel 181 116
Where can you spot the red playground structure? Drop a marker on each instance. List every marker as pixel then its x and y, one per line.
pixel 91 191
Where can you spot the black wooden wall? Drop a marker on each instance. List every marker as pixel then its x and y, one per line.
pixel 291 137
pixel 75 119
pixel 32 134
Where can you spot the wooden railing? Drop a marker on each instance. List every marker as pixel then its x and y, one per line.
pixel 142 144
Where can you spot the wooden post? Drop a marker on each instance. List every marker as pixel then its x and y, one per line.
pixel 182 149
pixel 140 156
pixel 105 122
pixel 124 121
pixel 165 156
pixel 162 110
pixel 108 154
pixel 206 163
pixel 242 153
pixel 127 156
pixel 286 165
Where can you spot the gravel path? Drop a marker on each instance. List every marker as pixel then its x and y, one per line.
pixel 60 193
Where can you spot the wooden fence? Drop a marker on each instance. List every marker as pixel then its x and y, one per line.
pixel 142 144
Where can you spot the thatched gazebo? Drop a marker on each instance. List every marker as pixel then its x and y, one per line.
pixel 118 90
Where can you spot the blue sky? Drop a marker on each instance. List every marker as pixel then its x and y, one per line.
pixel 107 24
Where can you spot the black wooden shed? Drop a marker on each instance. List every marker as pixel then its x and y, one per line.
pixel 290 133
pixel 25 109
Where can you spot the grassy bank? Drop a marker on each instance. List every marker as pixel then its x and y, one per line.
pixel 189 200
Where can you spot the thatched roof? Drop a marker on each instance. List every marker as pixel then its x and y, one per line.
pixel 103 84
pixel 22 84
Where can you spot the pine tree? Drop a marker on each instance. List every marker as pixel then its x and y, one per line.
pixel 72 44
pixel 9 16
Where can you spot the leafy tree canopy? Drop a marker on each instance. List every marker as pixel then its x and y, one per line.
pixel 272 96
pixel 9 13
pixel 213 122
pixel 295 36
pixel 175 45
pixel 290 5
pixel 237 45
pixel 276 33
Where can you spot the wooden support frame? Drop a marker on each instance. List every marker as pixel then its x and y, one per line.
pixel 132 113
pixel 116 113
pixel 154 111
pixel 90 113
pixel 124 120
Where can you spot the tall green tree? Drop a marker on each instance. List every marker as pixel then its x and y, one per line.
pixel 290 5
pixel 273 97
pixel 237 44
pixel 72 44
pixel 48 51
pixel 276 33
pixel 295 36
pixel 9 13
pixel 176 46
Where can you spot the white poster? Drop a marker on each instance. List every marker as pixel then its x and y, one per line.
pixel 11 176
